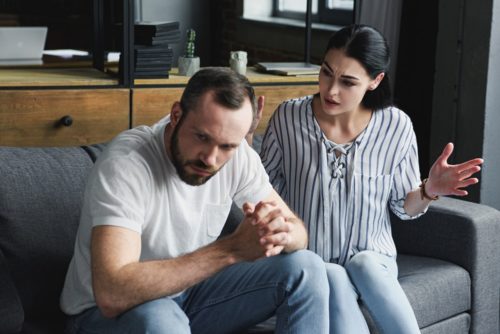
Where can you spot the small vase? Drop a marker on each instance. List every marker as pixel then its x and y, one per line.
pixel 238 61
pixel 188 66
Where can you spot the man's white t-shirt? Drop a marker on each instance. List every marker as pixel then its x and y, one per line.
pixel 135 185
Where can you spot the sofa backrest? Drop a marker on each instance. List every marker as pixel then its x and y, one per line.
pixel 41 191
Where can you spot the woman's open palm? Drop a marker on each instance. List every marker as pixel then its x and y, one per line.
pixel 446 179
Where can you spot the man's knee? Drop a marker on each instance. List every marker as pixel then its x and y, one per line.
pixel 337 275
pixel 303 260
pixel 303 266
pixel 157 316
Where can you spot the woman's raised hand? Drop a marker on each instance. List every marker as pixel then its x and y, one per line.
pixel 446 179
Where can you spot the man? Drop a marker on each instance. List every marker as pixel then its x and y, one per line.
pixel 147 258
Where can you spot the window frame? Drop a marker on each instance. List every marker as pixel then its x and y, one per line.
pixel 324 15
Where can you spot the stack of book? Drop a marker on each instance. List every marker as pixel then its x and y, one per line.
pixel 153 54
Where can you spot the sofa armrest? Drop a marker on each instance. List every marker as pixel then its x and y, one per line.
pixel 467 234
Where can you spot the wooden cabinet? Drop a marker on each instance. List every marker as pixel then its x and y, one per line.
pixel 151 104
pixel 65 107
pixel 44 106
pixel 275 95
pixel 58 117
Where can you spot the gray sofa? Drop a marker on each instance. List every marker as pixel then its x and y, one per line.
pixel 449 259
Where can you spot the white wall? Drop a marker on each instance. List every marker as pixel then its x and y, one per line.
pixel 490 183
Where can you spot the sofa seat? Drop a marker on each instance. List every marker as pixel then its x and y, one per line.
pixel 436 289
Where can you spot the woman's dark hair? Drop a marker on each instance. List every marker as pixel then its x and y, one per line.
pixel 369 47
pixel 229 88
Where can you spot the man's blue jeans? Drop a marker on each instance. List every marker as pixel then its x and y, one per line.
pixel 294 287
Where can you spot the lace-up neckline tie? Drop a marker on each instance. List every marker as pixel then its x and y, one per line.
pixel 338 161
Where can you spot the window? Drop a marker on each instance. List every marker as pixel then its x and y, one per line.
pixel 336 12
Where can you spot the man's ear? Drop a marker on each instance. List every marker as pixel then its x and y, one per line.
pixel 175 113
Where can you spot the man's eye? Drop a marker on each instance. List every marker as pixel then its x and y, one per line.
pixel 201 137
pixel 227 147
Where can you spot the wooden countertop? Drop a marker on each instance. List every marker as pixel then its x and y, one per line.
pixel 86 76
pixel 38 77
pixel 254 77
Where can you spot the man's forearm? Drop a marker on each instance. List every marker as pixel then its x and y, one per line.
pixel 138 282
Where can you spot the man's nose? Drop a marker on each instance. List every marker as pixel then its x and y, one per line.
pixel 209 156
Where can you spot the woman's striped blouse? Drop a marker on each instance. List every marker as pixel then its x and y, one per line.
pixel 344 200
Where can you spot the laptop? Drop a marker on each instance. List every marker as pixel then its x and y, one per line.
pixel 22 45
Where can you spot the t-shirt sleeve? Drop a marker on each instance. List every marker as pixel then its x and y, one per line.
pixel 253 182
pixel 117 194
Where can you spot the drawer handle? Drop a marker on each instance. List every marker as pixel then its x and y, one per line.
pixel 66 120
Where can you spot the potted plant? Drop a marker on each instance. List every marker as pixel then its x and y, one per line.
pixel 189 64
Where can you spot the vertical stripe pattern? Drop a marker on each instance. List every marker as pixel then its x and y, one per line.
pixel 348 214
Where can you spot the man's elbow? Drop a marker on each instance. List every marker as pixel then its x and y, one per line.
pixel 108 304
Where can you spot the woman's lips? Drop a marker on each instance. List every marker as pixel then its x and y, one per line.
pixel 331 102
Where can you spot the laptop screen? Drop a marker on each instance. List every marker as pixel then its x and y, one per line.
pixel 22 44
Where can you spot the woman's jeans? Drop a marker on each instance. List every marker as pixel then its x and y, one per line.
pixel 373 278
pixel 293 287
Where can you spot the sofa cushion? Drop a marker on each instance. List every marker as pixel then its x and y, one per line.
pixel 436 289
pixel 41 191
pixel 459 324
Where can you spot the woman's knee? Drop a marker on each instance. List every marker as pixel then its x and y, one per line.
pixel 369 267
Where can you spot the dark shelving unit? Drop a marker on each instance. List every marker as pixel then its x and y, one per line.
pixel 126 67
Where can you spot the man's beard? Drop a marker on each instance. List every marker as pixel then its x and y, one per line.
pixel 180 164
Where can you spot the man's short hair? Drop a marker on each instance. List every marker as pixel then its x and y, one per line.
pixel 229 88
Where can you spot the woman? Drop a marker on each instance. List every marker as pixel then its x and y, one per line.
pixel 340 158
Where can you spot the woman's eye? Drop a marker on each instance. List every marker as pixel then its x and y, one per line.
pixel 348 83
pixel 326 72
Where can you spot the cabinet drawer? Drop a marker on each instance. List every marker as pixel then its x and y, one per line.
pixel 275 95
pixel 151 104
pixel 62 117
